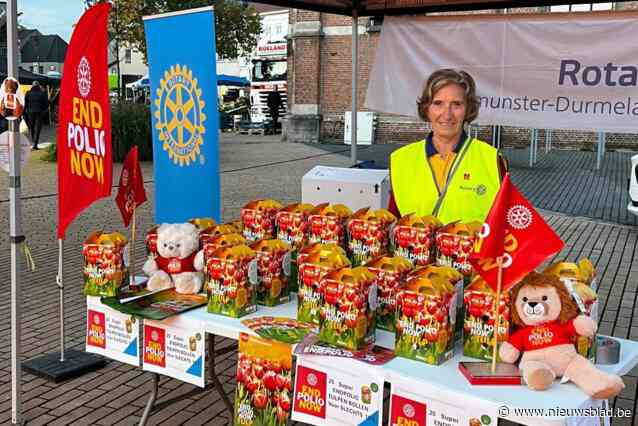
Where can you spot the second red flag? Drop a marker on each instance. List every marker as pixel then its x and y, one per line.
pixel 130 193
pixel 516 231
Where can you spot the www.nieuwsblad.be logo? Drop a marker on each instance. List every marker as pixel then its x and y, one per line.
pixel 179 114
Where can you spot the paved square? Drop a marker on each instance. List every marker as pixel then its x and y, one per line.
pixel 257 167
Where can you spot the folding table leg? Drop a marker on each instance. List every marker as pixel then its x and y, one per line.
pixel 151 400
pixel 213 376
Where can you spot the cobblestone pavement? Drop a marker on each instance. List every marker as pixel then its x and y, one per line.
pixel 253 167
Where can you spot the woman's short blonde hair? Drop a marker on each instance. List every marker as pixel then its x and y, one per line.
pixel 441 78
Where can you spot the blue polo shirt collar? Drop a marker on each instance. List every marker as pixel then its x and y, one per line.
pixel 430 150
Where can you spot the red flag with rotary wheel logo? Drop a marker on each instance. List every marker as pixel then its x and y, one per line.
pixel 517 232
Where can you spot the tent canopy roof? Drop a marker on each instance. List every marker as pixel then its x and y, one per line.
pixel 401 7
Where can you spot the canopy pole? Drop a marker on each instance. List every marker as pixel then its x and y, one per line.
pixel 60 282
pixel 355 73
pixel 15 223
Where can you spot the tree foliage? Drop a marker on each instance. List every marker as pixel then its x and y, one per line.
pixel 237 26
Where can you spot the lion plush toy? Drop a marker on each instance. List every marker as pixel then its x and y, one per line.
pixel 177 246
pixel 548 319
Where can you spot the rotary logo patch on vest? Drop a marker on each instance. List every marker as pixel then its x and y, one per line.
pixel 179 114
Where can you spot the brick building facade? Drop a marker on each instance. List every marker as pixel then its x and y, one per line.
pixel 319 86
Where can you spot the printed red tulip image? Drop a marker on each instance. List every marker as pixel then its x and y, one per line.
pixel 315 261
pixel 348 313
pixel 258 219
pixel 424 320
pixel 454 244
pixel 480 322
pixel 104 270
pixel 230 291
pixel 413 238
pixel 262 397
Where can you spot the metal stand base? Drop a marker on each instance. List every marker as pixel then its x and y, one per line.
pixel 152 405
pixel 75 364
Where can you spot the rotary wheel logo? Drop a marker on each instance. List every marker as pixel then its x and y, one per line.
pixel 409 411
pixel 312 379
pixel 84 77
pixel 519 217
pixel 179 114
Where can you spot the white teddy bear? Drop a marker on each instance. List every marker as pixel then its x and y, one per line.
pixel 177 246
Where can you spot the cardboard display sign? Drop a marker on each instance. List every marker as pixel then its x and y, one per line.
pixel 264 383
pixel 347 393
pixel 112 334
pixel 418 403
pixel 174 351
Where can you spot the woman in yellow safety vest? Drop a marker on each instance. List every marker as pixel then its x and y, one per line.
pixel 449 174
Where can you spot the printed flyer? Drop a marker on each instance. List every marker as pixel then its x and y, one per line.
pixel 174 351
pixel 264 382
pixel 344 393
pixel 111 334
pixel 419 403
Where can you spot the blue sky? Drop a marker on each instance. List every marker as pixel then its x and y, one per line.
pixel 51 16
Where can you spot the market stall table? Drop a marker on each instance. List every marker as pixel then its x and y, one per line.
pixel 446 376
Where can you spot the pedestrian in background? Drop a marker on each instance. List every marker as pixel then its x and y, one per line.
pixel 274 102
pixel 36 105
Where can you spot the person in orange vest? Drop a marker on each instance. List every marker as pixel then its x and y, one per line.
pixel 448 174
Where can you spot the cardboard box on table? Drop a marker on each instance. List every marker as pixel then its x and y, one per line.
pixel 356 188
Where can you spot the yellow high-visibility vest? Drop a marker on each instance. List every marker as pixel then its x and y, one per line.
pixel 473 182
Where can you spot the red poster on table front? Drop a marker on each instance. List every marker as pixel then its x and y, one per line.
pixel 84 129
pixel 310 392
pixel 96 329
pixel 407 412
pixel 154 346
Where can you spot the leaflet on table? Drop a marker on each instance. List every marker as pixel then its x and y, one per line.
pixel 111 334
pixel 174 351
pixel 418 403
pixel 287 330
pixel 158 305
pixel 343 393
pixel 372 354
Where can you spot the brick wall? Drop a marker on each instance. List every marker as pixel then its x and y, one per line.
pixel 321 67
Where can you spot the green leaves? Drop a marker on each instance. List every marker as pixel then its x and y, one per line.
pixel 237 26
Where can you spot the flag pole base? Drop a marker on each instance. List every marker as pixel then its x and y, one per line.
pixel 75 364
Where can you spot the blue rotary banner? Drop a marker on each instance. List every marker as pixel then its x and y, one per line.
pixel 181 60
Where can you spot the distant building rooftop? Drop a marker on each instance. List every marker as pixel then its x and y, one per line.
pixel 44 48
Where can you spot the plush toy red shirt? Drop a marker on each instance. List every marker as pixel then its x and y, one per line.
pixel 175 265
pixel 543 336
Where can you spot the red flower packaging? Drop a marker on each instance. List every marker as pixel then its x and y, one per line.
pixel 258 219
pixel 232 277
pixel 389 275
pixel 290 224
pixel 368 234
pixel 151 241
pixel 214 231
pixel 348 313
pixel 425 319
pixel 315 262
pixel 327 224
pixel 580 281
pixel 264 382
pixel 273 272
pixel 413 238
pixel 454 244
pixel 104 268
pixel 480 322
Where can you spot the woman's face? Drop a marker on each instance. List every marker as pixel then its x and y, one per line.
pixel 447 111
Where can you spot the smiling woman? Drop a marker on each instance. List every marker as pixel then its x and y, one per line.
pixel 447 174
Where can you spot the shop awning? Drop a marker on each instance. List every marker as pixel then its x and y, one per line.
pixel 231 80
pixel 405 7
